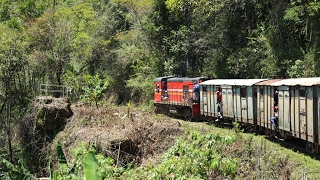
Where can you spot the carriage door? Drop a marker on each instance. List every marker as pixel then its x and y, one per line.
pixel 318 115
pixel 260 100
pixel 243 103
pixel 237 100
pixel 203 100
pixel 286 111
pixel 212 100
pixel 227 101
pixel 302 112
pixel 284 108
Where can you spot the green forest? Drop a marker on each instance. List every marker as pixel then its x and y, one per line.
pixel 118 48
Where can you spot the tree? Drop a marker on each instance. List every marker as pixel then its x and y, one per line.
pixel 93 88
pixel 52 41
pixel 15 84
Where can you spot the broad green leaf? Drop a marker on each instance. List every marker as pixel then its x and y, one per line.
pixel 61 157
pixel 91 167
pixel 22 176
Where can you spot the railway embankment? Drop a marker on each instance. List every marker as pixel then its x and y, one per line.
pixel 133 143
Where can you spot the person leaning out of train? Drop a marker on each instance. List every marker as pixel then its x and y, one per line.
pixel 165 96
pixel 276 94
pixel 276 108
pixel 219 114
pixel 219 96
pixel 196 91
pixel 274 120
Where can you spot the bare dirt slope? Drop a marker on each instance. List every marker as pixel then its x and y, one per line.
pixel 140 136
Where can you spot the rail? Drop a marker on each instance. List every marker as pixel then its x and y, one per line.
pixel 53 90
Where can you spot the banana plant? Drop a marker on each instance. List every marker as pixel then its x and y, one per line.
pixel 89 164
pixel 61 157
pixel 66 170
pixel 91 167
pixel 12 172
pixel 93 88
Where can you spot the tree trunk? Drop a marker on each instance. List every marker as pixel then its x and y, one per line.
pixel 8 127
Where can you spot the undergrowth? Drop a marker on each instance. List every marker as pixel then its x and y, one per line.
pixel 200 152
pixel 218 156
pixel 203 155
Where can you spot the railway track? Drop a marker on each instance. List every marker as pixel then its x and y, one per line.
pixel 295 145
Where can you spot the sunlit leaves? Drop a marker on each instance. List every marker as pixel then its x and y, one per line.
pixel 138 6
pixel 314 8
pixel 293 14
pixel 25 9
pixel 82 15
pixel 12 54
pixel 305 67
pixel 195 157
pixel 93 87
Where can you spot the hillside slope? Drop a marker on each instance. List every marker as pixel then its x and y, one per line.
pixel 157 143
pixel 140 136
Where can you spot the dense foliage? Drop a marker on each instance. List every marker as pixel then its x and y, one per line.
pixel 130 42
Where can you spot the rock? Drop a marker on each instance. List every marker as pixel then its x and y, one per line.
pixel 50 112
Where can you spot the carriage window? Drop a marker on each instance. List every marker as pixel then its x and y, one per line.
pixel 164 85
pixel 243 92
pixel 302 93
pixel 204 89
pixel 158 88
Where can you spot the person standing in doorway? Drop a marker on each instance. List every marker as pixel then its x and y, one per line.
pixel 219 104
pixel 219 96
pixel 196 91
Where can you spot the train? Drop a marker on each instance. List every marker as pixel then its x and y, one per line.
pixel 250 102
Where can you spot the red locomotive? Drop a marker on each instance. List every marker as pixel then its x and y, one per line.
pixel 174 96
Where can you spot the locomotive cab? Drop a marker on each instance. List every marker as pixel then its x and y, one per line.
pixel 174 96
pixel 161 88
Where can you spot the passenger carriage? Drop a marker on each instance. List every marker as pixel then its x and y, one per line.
pixel 299 106
pixel 238 100
pixel 266 105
